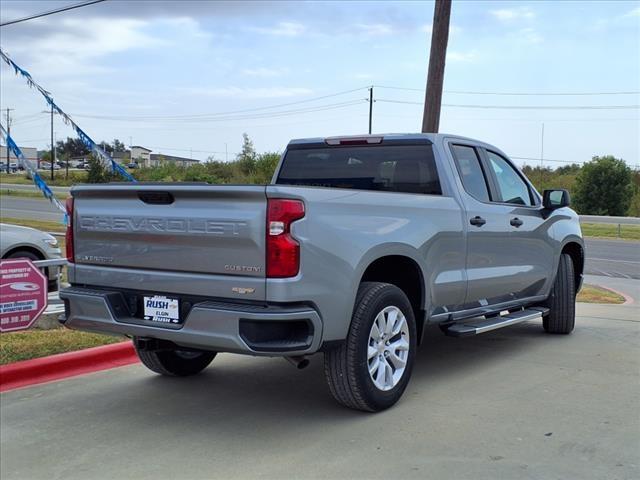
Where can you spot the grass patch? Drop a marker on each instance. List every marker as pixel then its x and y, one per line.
pixel 594 294
pixel 27 194
pixel 606 230
pixel 59 180
pixel 43 225
pixel 17 346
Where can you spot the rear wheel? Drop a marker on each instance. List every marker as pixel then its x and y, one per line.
pixel 174 362
pixel 562 300
pixel 371 369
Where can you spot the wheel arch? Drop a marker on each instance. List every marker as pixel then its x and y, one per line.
pixel 405 272
pixel 26 248
pixel 575 250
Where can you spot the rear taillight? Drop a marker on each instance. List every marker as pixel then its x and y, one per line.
pixel 68 236
pixel 283 251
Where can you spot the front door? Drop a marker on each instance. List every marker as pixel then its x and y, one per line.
pixel 507 255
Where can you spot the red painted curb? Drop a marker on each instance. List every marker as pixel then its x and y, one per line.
pixel 64 365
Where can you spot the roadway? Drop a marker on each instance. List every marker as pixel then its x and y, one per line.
pixel 514 403
pixel 28 208
pixel 612 258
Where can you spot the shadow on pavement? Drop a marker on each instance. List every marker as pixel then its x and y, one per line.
pixel 239 395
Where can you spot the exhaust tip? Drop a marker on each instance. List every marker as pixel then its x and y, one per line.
pixel 298 362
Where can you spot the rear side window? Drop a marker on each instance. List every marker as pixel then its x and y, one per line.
pixel 391 168
pixel 471 173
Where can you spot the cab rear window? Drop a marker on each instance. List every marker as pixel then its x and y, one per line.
pixel 397 168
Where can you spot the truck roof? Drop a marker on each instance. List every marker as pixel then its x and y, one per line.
pixel 396 137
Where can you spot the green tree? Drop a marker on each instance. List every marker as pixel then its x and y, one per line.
pixel 265 166
pixel 118 146
pixel 246 159
pixel 603 187
pixel 71 147
pixel 634 208
pixel 98 173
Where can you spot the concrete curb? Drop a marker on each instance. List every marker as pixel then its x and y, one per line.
pixel 64 365
pixel 627 299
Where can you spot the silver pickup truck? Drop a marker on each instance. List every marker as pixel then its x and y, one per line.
pixel 356 244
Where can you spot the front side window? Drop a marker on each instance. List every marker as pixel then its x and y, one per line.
pixel 471 173
pixel 512 188
pixel 391 168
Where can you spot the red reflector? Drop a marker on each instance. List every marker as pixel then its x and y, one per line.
pixel 68 236
pixel 283 251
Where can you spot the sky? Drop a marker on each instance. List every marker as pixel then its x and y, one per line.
pixel 188 78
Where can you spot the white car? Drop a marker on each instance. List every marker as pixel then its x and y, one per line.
pixel 25 242
pixel 47 166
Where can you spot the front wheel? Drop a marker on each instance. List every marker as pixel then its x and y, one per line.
pixel 562 300
pixel 371 369
pixel 174 362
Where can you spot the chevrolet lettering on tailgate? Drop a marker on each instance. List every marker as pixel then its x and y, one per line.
pixel 108 223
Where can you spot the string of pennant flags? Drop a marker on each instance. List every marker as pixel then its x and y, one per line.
pixel 32 170
pixel 102 155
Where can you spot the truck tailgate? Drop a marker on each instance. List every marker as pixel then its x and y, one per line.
pixel 172 228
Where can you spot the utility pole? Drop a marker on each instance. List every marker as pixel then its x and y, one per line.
pixel 53 147
pixel 435 76
pixel 226 153
pixel 370 107
pixel 8 134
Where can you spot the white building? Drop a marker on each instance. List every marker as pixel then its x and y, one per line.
pixel 30 153
pixel 140 155
pixel 143 157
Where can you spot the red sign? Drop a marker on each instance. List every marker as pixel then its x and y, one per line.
pixel 23 294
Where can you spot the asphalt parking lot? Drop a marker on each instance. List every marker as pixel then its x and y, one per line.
pixel 514 403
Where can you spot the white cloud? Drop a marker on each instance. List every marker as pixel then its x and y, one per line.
pixel 361 76
pixel 285 29
pixel 75 47
pixel 633 13
pixel 461 57
pixel 242 92
pixel 375 29
pixel 265 72
pixel 530 35
pixel 509 14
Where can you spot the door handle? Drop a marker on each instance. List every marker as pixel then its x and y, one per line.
pixel 477 221
pixel 516 222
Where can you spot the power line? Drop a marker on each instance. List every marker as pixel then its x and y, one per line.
pixel 50 12
pixel 231 112
pixel 462 92
pixel 523 107
pixel 220 117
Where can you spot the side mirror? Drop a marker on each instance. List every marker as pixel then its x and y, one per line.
pixel 553 199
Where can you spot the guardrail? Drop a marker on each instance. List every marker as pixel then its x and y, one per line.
pixel 609 219
pixel 53 262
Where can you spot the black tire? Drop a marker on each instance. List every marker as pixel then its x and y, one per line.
pixel 175 363
pixel 562 300
pixel 346 367
pixel 34 258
